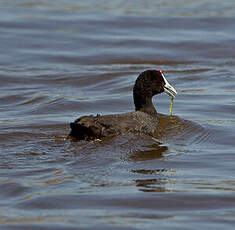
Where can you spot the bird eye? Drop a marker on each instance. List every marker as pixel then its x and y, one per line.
pixel 158 79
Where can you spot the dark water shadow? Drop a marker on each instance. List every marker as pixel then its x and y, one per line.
pixel 154 151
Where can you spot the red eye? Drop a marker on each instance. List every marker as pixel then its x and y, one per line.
pixel 158 79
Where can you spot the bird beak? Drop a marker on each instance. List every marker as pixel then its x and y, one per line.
pixel 169 89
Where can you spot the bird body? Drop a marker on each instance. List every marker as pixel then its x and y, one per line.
pixel 97 127
pixel 143 121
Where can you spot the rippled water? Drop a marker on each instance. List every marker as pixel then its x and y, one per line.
pixel 63 59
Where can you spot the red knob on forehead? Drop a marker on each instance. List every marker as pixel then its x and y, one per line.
pixel 160 71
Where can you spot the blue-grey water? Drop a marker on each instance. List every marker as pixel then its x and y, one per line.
pixel 63 59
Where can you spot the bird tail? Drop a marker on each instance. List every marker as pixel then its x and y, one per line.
pixel 83 131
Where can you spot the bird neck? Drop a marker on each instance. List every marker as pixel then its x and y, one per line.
pixel 144 104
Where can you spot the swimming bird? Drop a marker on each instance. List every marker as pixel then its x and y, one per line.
pixel 143 121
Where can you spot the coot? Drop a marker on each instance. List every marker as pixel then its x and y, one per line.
pixel 143 121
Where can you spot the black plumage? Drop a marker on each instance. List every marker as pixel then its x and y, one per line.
pixel 143 121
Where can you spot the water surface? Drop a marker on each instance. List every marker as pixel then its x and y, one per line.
pixel 61 60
